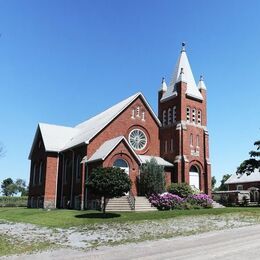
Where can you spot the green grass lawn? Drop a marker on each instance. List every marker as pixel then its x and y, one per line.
pixel 68 218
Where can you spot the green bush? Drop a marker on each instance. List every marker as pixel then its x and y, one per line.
pixel 7 201
pixel 181 189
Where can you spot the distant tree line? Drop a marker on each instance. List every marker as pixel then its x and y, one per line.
pixel 9 187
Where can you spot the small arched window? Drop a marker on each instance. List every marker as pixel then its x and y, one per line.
pixel 166 146
pixel 174 114
pixel 188 114
pixel 120 163
pixel 133 114
pixel 199 117
pixel 191 139
pixel 78 167
pixel 197 141
pixel 138 111
pixel 143 116
pixel 164 117
pixel 194 115
pixel 40 174
pixel 169 116
pixel 34 173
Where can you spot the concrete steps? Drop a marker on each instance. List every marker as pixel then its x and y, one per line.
pixel 217 205
pixel 122 204
pixel 118 204
pixel 143 204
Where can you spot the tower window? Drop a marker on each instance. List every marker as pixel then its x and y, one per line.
pixel 164 118
pixel 198 141
pixel 188 114
pixel 171 145
pixel 199 117
pixel 194 115
pixel 169 116
pixel 174 114
pixel 191 139
pixel 165 146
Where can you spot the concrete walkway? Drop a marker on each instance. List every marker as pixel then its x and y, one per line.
pixel 239 243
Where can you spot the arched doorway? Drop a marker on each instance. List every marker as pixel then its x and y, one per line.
pixel 122 164
pixel 194 177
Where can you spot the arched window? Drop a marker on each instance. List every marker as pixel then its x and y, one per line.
pixel 188 114
pixel 133 114
pixel 78 167
pixel 143 116
pixel 166 147
pixel 194 115
pixel 191 139
pixel 40 174
pixel 171 148
pixel 34 173
pixel 138 111
pixel 197 141
pixel 199 117
pixel 169 116
pixel 164 117
pixel 67 170
pixel 120 163
pixel 174 115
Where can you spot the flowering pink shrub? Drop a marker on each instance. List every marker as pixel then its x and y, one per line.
pixel 166 201
pixel 202 200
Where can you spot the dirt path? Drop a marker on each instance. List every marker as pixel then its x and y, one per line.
pixel 238 243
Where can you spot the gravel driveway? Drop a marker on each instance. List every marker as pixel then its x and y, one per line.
pixel 94 236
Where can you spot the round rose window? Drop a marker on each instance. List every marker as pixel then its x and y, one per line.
pixel 137 139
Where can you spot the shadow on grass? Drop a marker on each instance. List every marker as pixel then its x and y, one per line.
pixel 98 215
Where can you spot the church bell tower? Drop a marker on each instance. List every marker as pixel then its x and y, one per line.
pixel 184 139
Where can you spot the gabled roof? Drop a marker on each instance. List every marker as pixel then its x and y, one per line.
pixel 54 136
pixel 107 147
pixel 58 138
pixel 192 89
pixel 244 178
pixel 159 160
pixel 92 126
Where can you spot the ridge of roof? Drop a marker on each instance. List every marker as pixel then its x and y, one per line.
pixel 108 146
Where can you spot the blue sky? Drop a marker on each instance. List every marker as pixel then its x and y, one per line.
pixel 64 61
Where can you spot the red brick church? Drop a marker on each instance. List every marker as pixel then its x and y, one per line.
pixel 126 135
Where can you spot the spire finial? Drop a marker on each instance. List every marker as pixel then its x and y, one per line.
pixel 201 78
pixel 183 46
pixel 163 79
pixel 163 85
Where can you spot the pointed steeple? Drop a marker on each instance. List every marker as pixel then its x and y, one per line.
pixel 163 87
pixel 183 63
pixel 201 84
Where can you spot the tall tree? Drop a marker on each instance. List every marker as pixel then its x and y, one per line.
pixel 213 182
pixel 7 187
pixel 109 183
pixel 250 165
pixel 223 186
pixel 152 178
